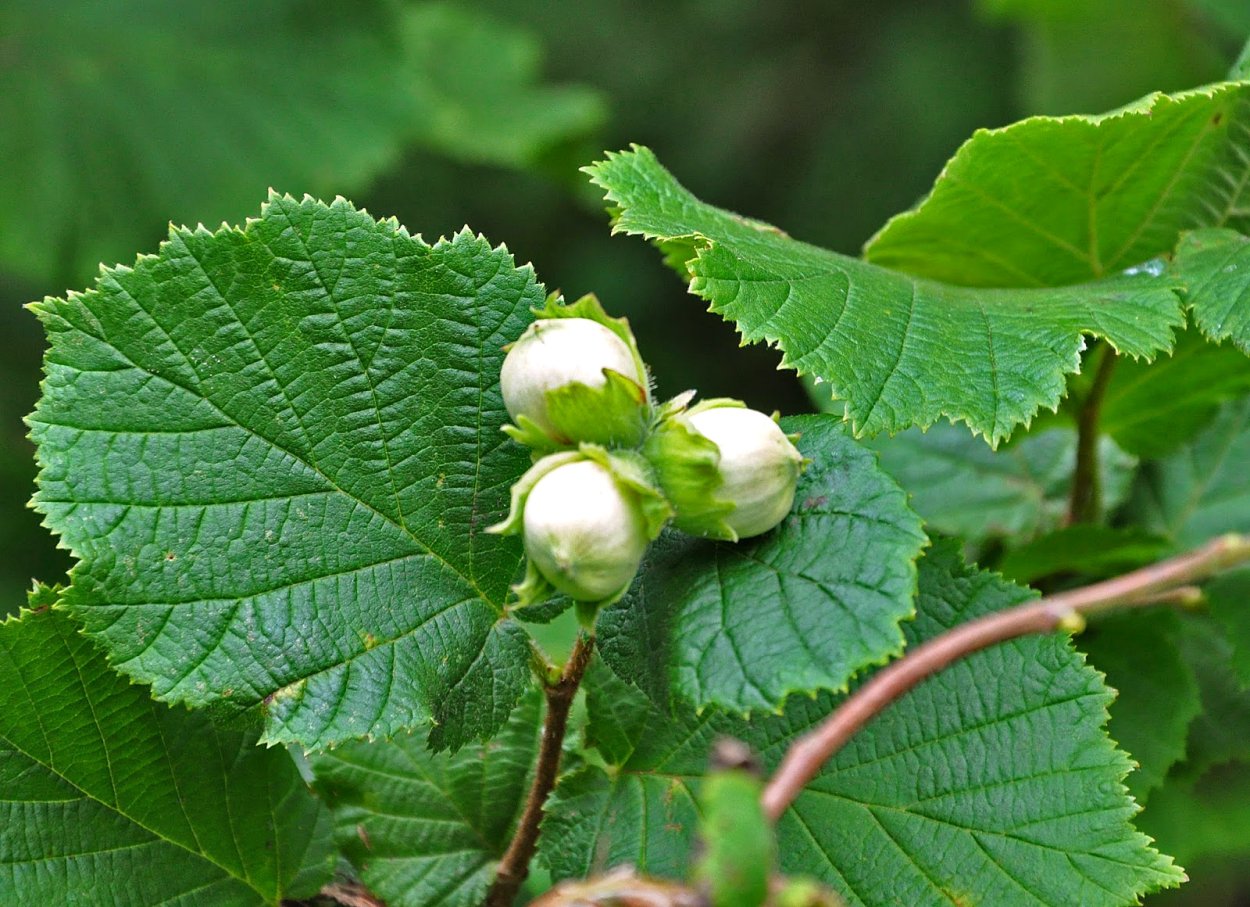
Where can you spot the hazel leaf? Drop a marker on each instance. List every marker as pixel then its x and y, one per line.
pixel 898 350
pixel 992 782
pixel 274 451
pixel 801 608
pixel 106 791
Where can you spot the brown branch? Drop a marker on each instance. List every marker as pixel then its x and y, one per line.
pixel 1166 581
pixel 351 894
pixel 1085 502
pixel 514 867
pixel 618 888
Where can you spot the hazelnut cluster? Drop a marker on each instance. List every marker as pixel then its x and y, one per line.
pixel 612 468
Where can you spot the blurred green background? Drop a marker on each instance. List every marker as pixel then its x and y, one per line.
pixel 117 116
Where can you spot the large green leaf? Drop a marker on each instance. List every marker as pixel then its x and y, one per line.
pixel 963 488
pixel 1151 409
pixel 125 114
pixel 1203 489
pixel 802 608
pixel 991 783
pixel 1215 267
pixel 275 450
pixel 111 798
pixel 427 829
pixel 900 350
pixel 1060 200
pixel 1221 733
pixel 1157 691
pixel 642 810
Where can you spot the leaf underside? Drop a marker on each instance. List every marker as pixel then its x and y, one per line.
pixel 899 350
pixel 801 608
pixel 274 450
pixel 1215 267
pixel 1202 489
pixel 963 488
pixel 938 800
pixel 110 797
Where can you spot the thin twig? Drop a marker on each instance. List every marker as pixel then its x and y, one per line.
pixel 1085 502
pixel 619 887
pixel 1166 581
pixel 514 867
pixel 351 894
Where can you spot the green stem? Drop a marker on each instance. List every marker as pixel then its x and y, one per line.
pixel 1085 503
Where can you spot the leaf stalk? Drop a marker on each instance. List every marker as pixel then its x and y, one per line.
pixel 1085 502
pixel 514 866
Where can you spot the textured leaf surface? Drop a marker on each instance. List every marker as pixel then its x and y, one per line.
pixel 122 115
pixel 963 488
pixel 991 783
pixel 1157 691
pixel 1060 200
pixel 801 608
pixel 427 829
pixel 274 451
pixel 109 797
pixel 1203 489
pixel 900 350
pixel 644 811
pixel 1215 267
pixel 1151 409
pixel 1221 733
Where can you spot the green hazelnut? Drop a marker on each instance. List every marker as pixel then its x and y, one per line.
pixel 573 379
pixel 759 467
pixel 584 530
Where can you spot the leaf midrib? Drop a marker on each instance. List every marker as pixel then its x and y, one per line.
pixel 867 805
pixel 314 468
pixel 351 342
pixel 86 795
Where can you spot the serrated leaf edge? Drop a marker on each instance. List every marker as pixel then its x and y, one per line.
pixel 703 245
